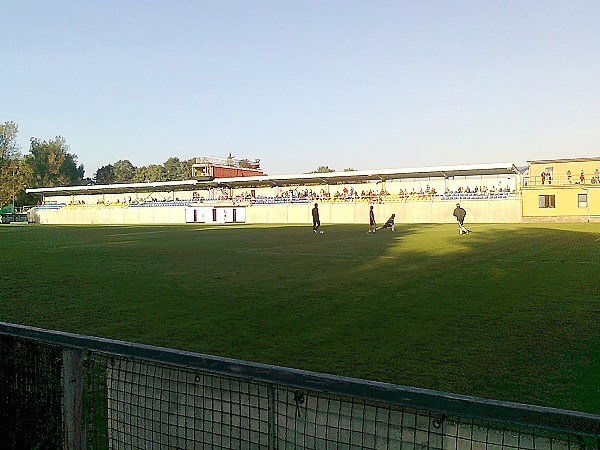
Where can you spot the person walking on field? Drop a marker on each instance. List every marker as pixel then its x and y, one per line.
pixel 460 214
pixel 372 223
pixel 315 217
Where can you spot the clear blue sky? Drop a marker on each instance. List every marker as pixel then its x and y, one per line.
pixel 362 84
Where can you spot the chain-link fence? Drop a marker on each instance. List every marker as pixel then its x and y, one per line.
pixel 59 390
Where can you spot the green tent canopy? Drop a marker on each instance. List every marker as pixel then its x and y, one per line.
pixel 8 209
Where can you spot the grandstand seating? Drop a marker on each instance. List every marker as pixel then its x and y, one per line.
pixel 269 200
pixel 164 203
pixel 115 205
pixel 475 196
pixel 94 205
pixel 50 206
pixel 273 200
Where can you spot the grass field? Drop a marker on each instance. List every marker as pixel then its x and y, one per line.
pixel 509 312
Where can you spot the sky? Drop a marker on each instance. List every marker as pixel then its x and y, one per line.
pixel 300 84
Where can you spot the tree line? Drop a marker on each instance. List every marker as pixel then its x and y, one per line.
pixel 50 163
pixel 123 171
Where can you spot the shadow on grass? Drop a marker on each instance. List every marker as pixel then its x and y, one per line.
pixel 508 312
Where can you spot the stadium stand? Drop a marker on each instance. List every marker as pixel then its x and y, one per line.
pixel 413 194
pixel 152 204
pixel 488 195
pixel 47 206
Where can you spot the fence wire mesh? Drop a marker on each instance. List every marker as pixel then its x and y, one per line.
pixel 132 403
pixel 30 395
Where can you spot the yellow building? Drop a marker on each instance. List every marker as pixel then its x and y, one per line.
pixel 562 190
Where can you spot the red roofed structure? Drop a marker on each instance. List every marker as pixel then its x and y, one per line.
pixel 209 168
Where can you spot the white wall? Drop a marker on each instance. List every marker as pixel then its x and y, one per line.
pixel 204 214
pixel 424 211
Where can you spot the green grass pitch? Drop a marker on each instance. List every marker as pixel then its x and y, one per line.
pixel 509 312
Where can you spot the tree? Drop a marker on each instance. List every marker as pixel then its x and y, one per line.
pixel 323 169
pixel 186 168
pixel 13 180
pixel 49 164
pixel 151 173
pixel 173 169
pixel 9 148
pixel 10 160
pixel 23 177
pixel 123 171
pixel 104 175
pixel 156 172
pixel 349 169
pixel 140 175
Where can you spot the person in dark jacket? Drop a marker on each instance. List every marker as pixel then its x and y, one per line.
pixel 315 217
pixel 460 214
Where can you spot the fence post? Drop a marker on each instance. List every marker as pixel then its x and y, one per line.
pixel 271 391
pixel 73 399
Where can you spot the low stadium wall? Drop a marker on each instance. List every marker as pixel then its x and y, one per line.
pixel 109 215
pixel 424 211
pixel 507 210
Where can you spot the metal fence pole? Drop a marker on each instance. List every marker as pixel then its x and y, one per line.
pixel 271 391
pixel 73 399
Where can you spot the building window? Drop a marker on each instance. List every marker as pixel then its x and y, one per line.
pixel 582 200
pixel 547 201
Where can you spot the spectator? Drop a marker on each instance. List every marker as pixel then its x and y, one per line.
pixel 582 178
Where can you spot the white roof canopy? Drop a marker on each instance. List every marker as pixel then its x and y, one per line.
pixel 359 176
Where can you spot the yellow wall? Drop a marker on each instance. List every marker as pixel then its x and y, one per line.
pixel 566 201
pixel 560 168
pixel 564 190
